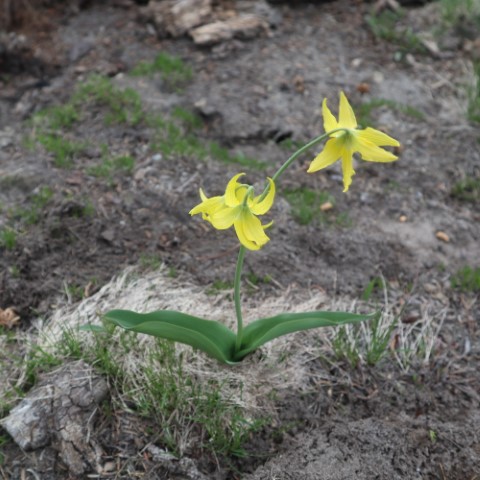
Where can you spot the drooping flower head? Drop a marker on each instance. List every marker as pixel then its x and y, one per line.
pixel 344 143
pixel 239 207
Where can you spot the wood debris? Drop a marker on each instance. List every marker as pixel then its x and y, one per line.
pixel 242 26
pixel 175 18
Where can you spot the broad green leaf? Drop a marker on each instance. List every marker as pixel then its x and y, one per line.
pixel 262 331
pixel 209 336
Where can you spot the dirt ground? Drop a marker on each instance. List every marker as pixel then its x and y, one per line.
pixel 407 222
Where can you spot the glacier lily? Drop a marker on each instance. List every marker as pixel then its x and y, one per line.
pixel 348 139
pixel 239 207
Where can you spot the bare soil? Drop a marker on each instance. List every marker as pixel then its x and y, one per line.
pixel 401 221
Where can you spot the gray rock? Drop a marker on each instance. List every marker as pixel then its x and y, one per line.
pixel 59 411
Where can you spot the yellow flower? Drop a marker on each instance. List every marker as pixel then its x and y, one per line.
pixel 344 143
pixel 238 207
pixel 208 206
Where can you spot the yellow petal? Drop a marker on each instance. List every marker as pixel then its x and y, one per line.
pixel 346 117
pixel 203 197
pixel 261 207
pixel 377 137
pixel 240 193
pixel 253 228
pixel 329 121
pixel 239 230
pixel 330 154
pixel 224 218
pixel 230 193
pixel 267 225
pixel 249 230
pixel 371 152
pixel 347 170
pixel 209 206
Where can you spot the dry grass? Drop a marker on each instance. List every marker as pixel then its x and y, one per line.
pixel 258 375
pixel 14 349
pixel 280 364
pixel 283 365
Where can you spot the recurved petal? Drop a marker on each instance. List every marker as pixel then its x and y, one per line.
pixel 209 205
pixel 347 170
pixel 267 225
pixel 330 154
pixel 377 137
pixel 263 206
pixel 203 197
pixel 346 116
pixel 329 121
pixel 371 152
pixel 230 192
pixel 223 219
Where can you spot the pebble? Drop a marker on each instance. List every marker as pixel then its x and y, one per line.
pixel 442 236
pixel 109 467
pixel 430 288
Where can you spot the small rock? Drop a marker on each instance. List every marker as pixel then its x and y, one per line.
pixel 442 236
pixel 430 288
pixel 80 69
pixel 108 235
pixel 363 88
pixel 356 62
pixel 206 109
pixel 402 218
pixel 299 83
pixel 378 77
pixel 109 467
pixel 80 49
pixel 365 197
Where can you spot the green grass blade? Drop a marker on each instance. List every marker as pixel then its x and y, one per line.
pixel 209 336
pixel 92 328
pixel 262 331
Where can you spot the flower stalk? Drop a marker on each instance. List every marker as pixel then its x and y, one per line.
pixel 299 152
pixel 237 298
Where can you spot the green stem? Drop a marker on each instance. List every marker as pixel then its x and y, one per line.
pixel 299 152
pixel 238 307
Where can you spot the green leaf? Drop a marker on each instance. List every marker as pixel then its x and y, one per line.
pixel 262 331
pixel 209 336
